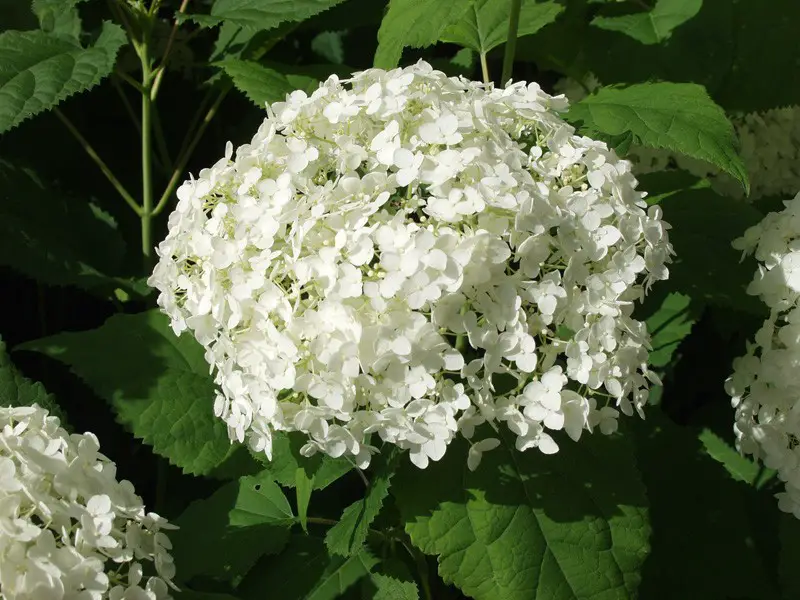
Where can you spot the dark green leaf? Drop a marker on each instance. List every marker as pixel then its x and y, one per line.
pixel 286 459
pixel 526 524
pixel 706 267
pixel 261 14
pixel 669 325
pixel 53 238
pixel 58 16
pixel 223 536
pixel 40 70
pixel 304 485
pixel 484 26
pixel 652 26
pixel 678 117
pixel 740 467
pixel 415 24
pixel 158 384
pixel 18 390
pixel 387 587
pixel 305 571
pixel 691 492
pixel 263 85
pixel 348 536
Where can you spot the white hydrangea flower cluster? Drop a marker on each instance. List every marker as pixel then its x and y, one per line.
pixel 405 256
pixel 68 528
pixel 770 148
pixel 765 386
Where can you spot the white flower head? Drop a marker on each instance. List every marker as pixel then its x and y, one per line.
pixel 387 249
pixel 68 527
pixel 765 386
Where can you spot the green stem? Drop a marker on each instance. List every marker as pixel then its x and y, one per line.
pixel 99 161
pixel 322 521
pixel 147 143
pixel 167 50
pixel 177 173
pixel 511 41
pixel 485 68
pixel 422 569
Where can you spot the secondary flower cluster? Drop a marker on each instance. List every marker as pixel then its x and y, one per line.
pixel 68 528
pixel 765 385
pixel 770 148
pixel 405 256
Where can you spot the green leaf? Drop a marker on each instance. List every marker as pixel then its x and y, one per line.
pixel 53 238
pixel 158 384
pixel 263 85
pixel 348 536
pixel 416 24
pixel 18 390
pixel 305 571
pixel 261 14
pixel 740 467
pixel 669 325
pixel 484 26
pixel 41 70
pixel 676 116
pixel 221 537
pixel 329 45
pixel 286 459
pixel 691 492
pixel 387 587
pixel 706 267
pixel 58 16
pixel 652 26
pixel 525 524
pixel 304 485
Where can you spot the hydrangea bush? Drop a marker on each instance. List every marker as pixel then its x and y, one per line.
pixel 68 528
pixel 385 347
pixel 411 255
pixel 764 385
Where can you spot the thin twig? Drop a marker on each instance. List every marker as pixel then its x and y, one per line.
pixel 183 159
pixel 100 163
pixel 127 104
pixel 322 521
pixel 170 41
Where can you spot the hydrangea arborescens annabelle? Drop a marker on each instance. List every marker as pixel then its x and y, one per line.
pixel 68 528
pixel 765 385
pixel 404 256
pixel 770 148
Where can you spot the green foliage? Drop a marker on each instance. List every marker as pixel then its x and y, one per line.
pixel 652 26
pixel 689 491
pixel 347 537
pixel 58 16
pixel 739 467
pixel 286 460
pixel 157 383
pixel 415 24
pixel 18 390
pixel 526 523
pixel 223 536
pixel 51 237
pixel 263 85
pixel 389 587
pixel 260 14
pixel 703 226
pixel 304 485
pixel 677 117
pixel 305 571
pixel 669 325
pixel 40 70
pixel 484 26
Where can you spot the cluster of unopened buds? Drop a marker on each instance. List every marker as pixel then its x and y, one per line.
pixel 68 528
pixel 404 257
pixel 765 386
